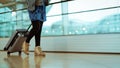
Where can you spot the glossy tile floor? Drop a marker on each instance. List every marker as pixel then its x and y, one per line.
pixel 60 60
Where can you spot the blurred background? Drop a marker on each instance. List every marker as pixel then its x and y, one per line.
pixel 64 17
pixel 67 18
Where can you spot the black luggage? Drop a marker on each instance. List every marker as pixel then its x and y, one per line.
pixel 16 40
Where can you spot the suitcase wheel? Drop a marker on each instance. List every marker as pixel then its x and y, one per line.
pixel 5 49
pixel 20 53
pixel 8 53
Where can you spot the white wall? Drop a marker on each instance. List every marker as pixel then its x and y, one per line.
pixel 80 43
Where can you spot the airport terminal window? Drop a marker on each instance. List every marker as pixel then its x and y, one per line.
pixel 105 21
pixel 53 26
pixel 65 18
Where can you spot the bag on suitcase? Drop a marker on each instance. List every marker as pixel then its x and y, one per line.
pixel 16 40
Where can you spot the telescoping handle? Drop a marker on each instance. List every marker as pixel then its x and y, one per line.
pixel 28 27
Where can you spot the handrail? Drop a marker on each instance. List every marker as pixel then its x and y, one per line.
pixel 13 3
pixel 86 11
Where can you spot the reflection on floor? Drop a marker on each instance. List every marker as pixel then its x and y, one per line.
pixel 60 60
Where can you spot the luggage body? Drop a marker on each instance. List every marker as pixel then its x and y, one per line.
pixel 15 42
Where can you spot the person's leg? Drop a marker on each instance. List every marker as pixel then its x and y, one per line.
pixel 25 47
pixel 38 50
pixel 33 31
pixel 38 33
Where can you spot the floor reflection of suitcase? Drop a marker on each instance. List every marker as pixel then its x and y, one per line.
pixel 16 40
pixel 14 61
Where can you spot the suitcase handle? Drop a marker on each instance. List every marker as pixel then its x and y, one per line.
pixel 23 30
pixel 28 27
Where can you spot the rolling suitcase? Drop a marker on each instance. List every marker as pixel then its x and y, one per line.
pixel 16 40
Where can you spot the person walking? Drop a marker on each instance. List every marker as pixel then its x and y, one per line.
pixel 37 14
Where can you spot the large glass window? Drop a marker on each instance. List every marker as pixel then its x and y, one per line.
pixel 64 17
pixel 94 22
